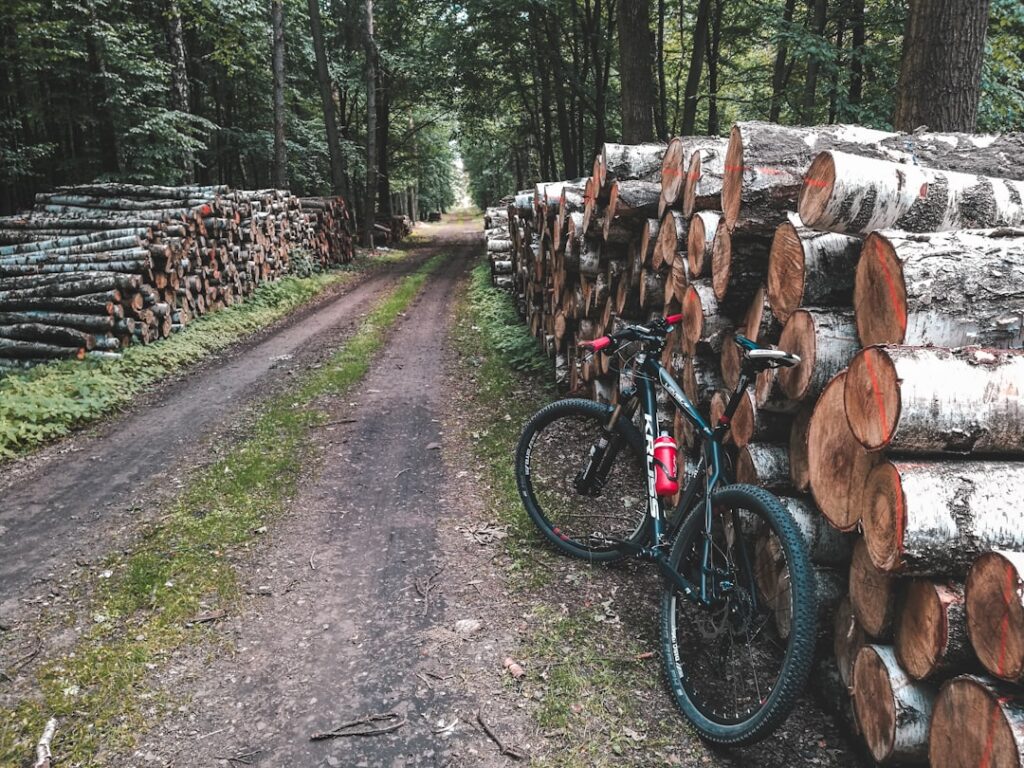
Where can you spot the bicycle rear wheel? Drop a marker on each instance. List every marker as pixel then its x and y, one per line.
pixel 736 670
pixel 583 486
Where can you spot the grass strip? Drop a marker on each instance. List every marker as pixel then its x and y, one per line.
pixel 50 401
pixel 182 567
pixel 594 685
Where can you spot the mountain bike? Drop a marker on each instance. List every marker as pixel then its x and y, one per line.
pixel 738 605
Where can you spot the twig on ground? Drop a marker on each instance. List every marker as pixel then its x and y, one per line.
pixel 23 660
pixel 337 421
pixel 43 754
pixel 515 754
pixel 312 565
pixel 402 472
pixel 424 591
pixel 206 618
pixel 345 729
pixel 243 759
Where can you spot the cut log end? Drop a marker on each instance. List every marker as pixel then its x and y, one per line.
pixel 879 294
pixel 872 398
pixel 693 320
pixel 819 181
pixel 732 179
pixel 995 613
pixel 871 593
pixel 731 362
pixel 976 723
pixel 693 173
pixel 799 467
pixel 696 247
pixel 922 632
pixel 672 173
pixel 721 260
pixel 786 272
pixel 874 702
pixel 884 517
pixel 798 338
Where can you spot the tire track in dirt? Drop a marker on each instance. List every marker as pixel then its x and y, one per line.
pixel 70 502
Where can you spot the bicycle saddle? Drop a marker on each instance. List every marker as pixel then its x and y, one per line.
pixel 761 357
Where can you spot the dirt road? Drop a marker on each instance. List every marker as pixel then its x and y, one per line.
pixel 65 504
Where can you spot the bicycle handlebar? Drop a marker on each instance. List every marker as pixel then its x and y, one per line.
pixel 659 327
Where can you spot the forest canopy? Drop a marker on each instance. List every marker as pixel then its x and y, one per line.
pixel 174 91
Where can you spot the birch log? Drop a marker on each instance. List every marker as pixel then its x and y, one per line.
pixel 837 464
pixel 856 195
pixel 763 464
pixel 700 380
pixel 671 239
pixel 825 544
pixel 872 593
pixel 704 177
pixel 700 242
pixel 760 324
pixel 765 164
pixel 933 518
pixel 825 341
pixel 977 723
pixel 810 268
pixel 631 199
pixel 931 631
pixel 932 400
pixel 703 325
pixel 649 239
pixel 739 265
pixel 674 164
pixel 995 613
pixel 629 161
pixel 947 289
pixel 893 710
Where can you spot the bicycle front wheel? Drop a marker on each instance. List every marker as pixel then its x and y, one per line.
pixel 736 669
pixel 583 486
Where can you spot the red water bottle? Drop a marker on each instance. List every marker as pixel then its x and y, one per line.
pixel 665 452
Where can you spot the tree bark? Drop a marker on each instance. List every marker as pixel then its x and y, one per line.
pixel 926 400
pixel 636 71
pixel 940 73
pixel 180 91
pixel 280 148
pixel 779 68
pixel 938 288
pixel 764 465
pixel 703 326
pixel 807 112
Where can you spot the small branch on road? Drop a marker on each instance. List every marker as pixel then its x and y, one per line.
pixel 515 754
pixel 424 590
pixel 312 565
pixel 402 472
pixel 334 423
pixel 206 618
pixel 243 759
pixel 44 756
pixel 395 721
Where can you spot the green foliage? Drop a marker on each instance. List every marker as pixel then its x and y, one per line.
pixel 99 689
pixel 500 326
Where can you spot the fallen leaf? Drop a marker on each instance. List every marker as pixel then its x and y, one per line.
pixel 513 668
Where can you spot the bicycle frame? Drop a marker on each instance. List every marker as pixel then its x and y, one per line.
pixel 710 472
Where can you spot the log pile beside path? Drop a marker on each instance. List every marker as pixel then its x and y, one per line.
pixel 94 268
pixel 893 264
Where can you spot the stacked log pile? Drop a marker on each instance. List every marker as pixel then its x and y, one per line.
pixel 894 266
pixel 94 268
pixel 498 243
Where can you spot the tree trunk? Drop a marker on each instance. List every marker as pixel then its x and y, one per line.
pixel 940 73
pixel 661 122
pixel 977 722
pixel 995 613
pixel 825 341
pixel 856 195
pixel 924 400
pixel 713 45
pixel 779 68
pixel 180 97
pixel 370 191
pixel 931 632
pixel 636 71
pixel 938 289
pixel 927 517
pixel 893 710
pixel 699 42
pixel 838 465
pixel 857 53
pixel 807 112
pixel 280 149
pixel 810 268
pixel 383 150
pixel 323 75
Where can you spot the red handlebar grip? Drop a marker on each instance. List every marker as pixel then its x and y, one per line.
pixel 674 319
pixel 598 344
